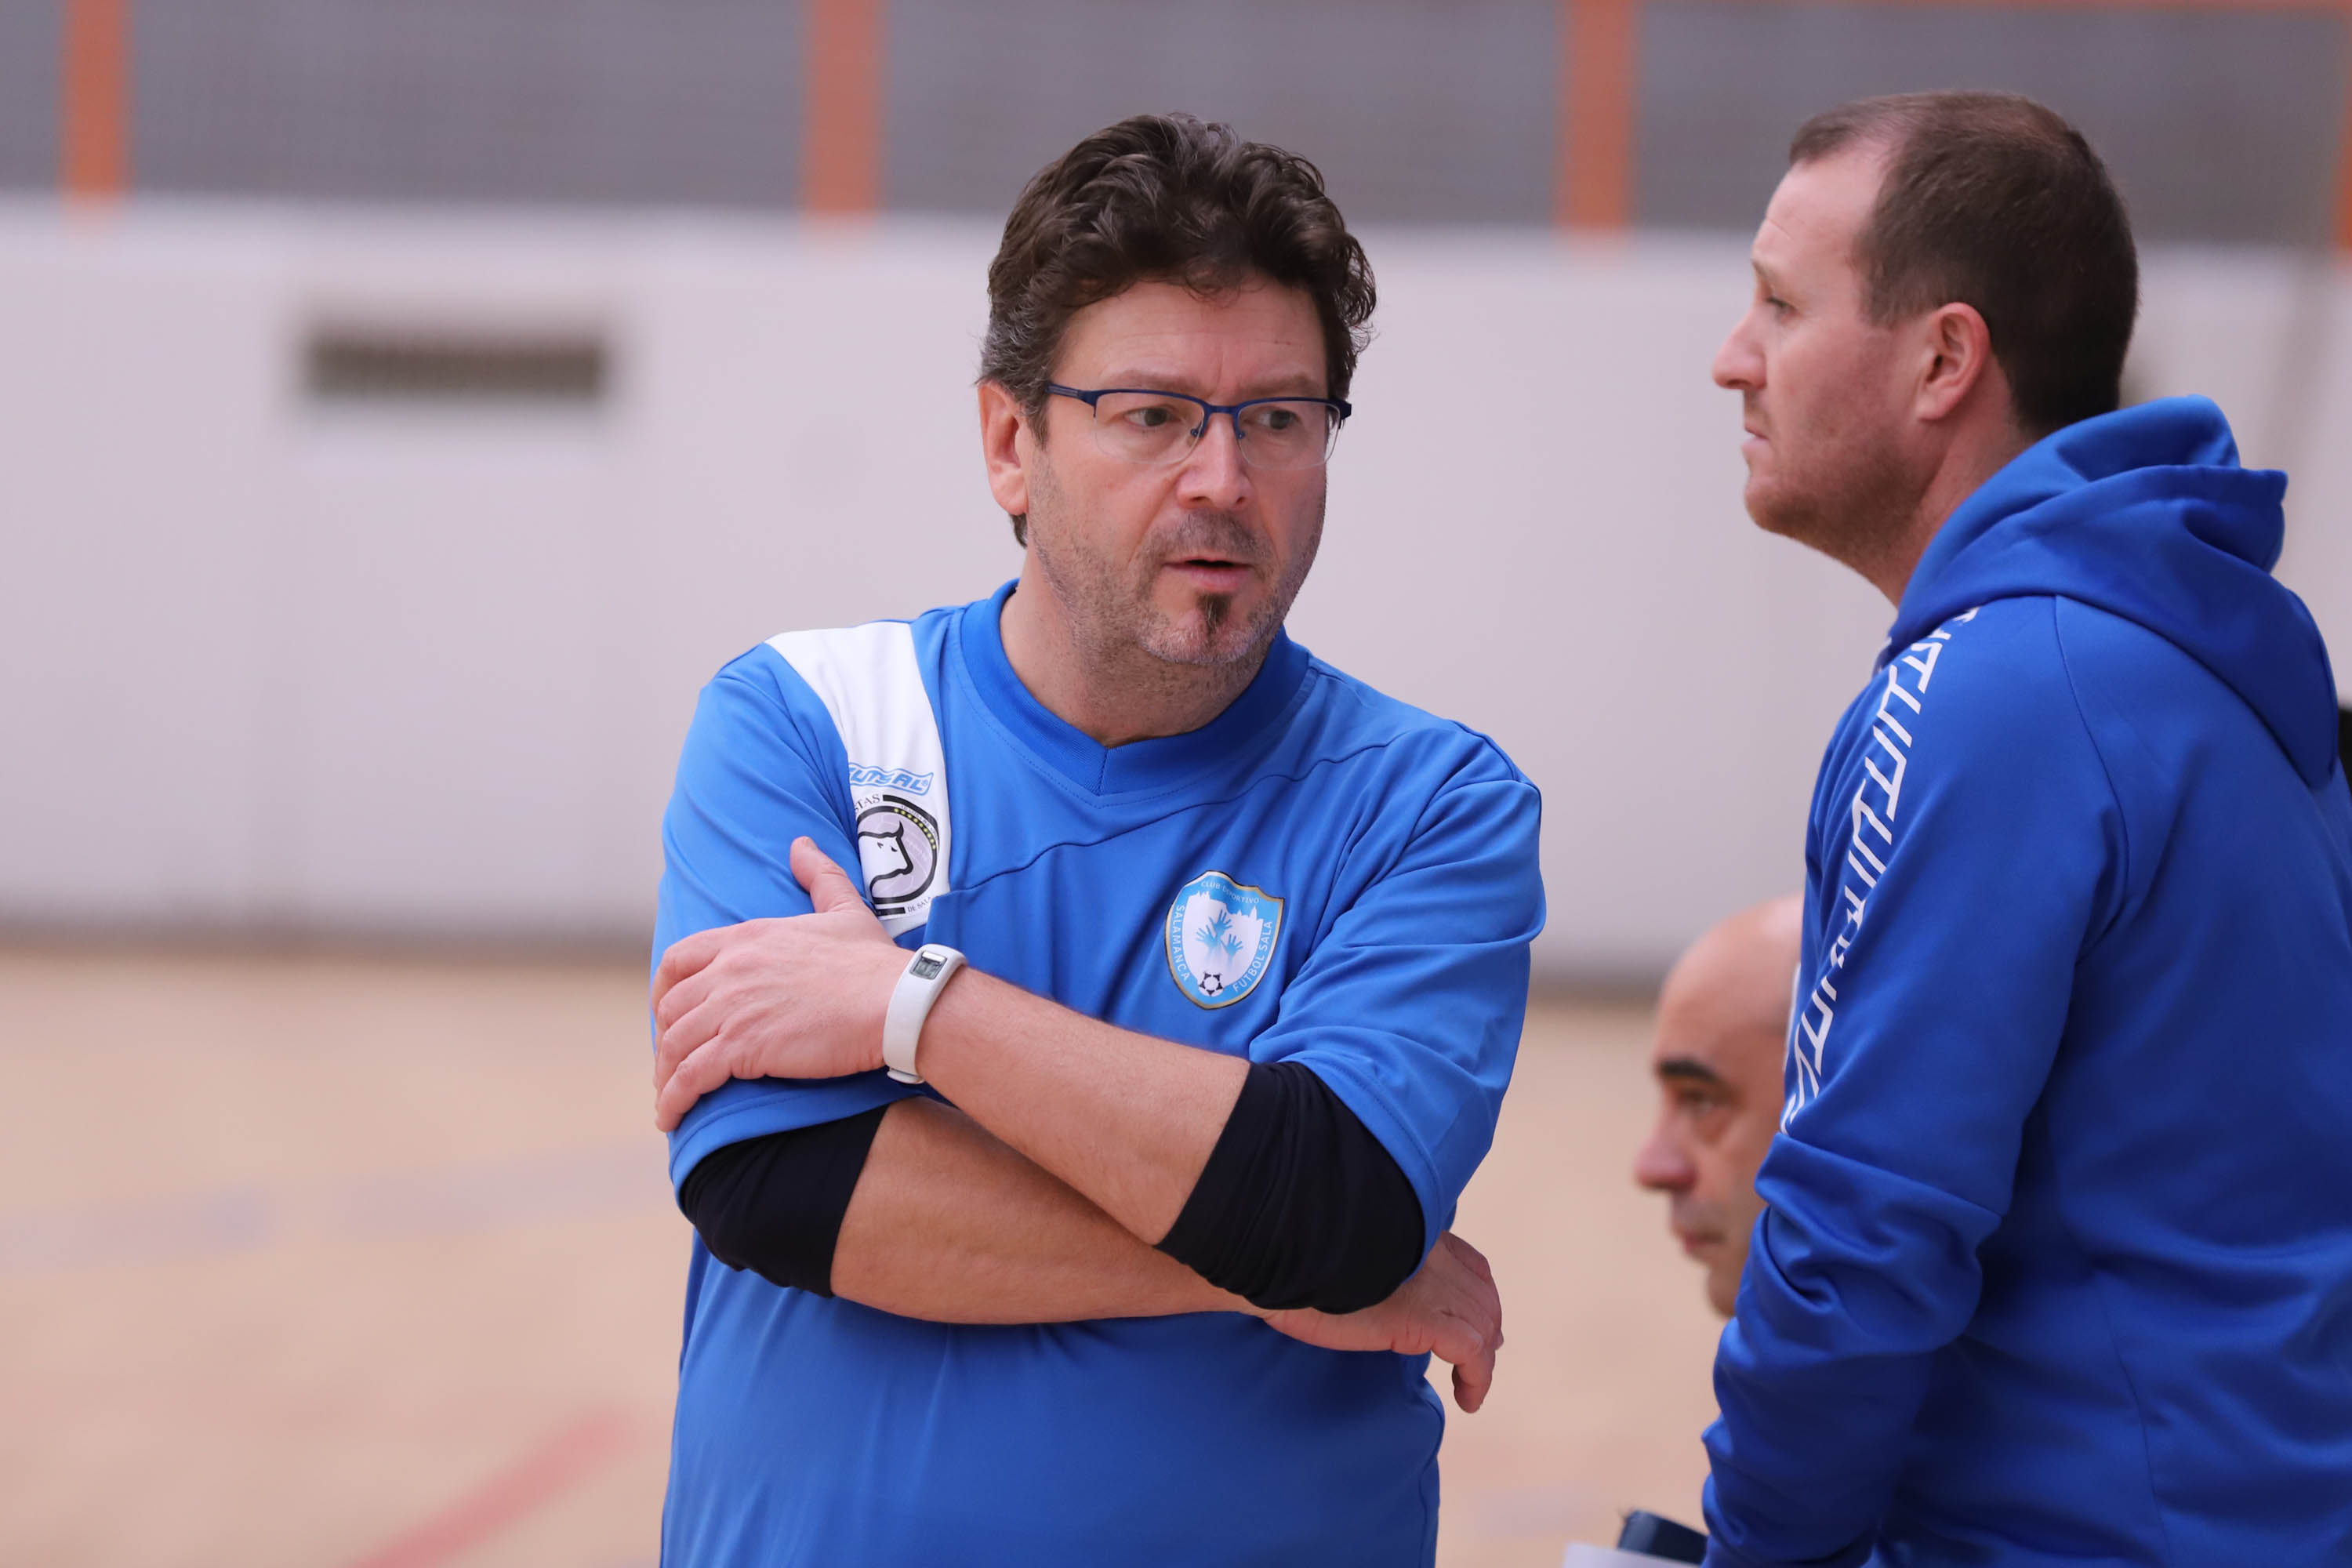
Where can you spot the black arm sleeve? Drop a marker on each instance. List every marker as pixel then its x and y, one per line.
pixel 1299 1205
pixel 773 1205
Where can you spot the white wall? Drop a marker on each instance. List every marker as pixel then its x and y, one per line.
pixel 269 666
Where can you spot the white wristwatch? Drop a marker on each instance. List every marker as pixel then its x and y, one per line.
pixel 927 974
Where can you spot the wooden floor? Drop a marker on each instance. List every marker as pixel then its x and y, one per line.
pixel 259 1306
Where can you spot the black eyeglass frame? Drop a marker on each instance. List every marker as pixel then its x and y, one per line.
pixel 1208 410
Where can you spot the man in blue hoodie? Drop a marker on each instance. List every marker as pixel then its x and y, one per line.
pixel 2057 1261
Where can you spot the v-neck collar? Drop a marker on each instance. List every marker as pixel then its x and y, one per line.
pixel 1101 770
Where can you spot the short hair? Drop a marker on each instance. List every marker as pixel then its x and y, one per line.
pixel 1167 197
pixel 1991 200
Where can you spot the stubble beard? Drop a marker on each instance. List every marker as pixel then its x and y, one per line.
pixel 1111 607
pixel 1852 502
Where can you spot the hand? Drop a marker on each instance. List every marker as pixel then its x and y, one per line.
pixel 1449 1309
pixel 802 997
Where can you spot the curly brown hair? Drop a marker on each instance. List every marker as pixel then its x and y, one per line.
pixel 1166 196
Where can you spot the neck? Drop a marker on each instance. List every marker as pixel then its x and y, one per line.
pixel 1113 692
pixel 1966 466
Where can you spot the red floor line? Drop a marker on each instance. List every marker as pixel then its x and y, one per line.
pixel 538 1477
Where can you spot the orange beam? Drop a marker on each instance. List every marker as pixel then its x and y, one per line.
pixel 94 105
pixel 1596 117
pixel 841 161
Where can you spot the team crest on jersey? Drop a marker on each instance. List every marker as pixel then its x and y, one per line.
pixel 1221 937
pixel 898 850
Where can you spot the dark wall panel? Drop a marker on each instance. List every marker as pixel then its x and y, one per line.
pixel 2218 126
pixel 2221 124
pixel 1437 110
pixel 656 101
pixel 31 50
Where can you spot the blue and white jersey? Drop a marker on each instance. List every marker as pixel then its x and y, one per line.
pixel 1320 875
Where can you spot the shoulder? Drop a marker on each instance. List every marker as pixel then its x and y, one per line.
pixel 1988 686
pixel 869 652
pixel 801 691
pixel 757 725
pixel 1976 725
pixel 1969 658
pixel 870 662
pixel 759 691
pixel 1342 718
pixel 2105 650
pixel 810 677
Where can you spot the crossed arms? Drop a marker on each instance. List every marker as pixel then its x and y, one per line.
pixel 1070 1152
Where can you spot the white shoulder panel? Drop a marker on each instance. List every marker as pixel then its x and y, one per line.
pixel 867 678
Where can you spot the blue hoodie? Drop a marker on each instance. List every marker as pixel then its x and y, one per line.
pixel 2056 1265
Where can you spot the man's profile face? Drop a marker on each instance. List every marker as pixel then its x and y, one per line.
pixel 1197 561
pixel 1820 385
pixel 1721 1034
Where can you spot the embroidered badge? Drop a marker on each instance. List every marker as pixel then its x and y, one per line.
pixel 1221 937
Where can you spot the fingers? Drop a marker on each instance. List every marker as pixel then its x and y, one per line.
pixel 829 886
pixel 1472 1282
pixel 1461 1332
pixel 1471 1350
pixel 705 1069
pixel 1490 1298
pixel 685 957
pixel 682 997
pixel 681 1040
pixel 1471 1321
pixel 1473 1380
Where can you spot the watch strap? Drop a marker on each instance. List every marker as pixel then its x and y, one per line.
pixel 927 973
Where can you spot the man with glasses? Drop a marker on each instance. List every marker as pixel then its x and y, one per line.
pixel 1108 1225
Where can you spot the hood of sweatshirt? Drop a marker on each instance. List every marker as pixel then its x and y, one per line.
pixel 2146 513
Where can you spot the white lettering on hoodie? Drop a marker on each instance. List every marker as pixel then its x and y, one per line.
pixel 1876 806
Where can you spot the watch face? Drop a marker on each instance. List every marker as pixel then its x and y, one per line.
pixel 925 968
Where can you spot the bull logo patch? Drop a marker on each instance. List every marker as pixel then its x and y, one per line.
pixel 898 850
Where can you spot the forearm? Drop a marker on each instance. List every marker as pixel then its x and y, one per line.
pixel 950 1224
pixel 1127 1120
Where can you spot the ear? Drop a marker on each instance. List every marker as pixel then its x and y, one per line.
pixel 1955 362
pixel 1006 447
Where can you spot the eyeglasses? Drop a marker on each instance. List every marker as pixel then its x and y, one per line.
pixel 1138 425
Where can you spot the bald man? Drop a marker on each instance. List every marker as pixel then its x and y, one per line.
pixel 1723 1026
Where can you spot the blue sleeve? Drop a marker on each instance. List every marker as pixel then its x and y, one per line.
pixel 763 765
pixel 1410 1005
pixel 1962 861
